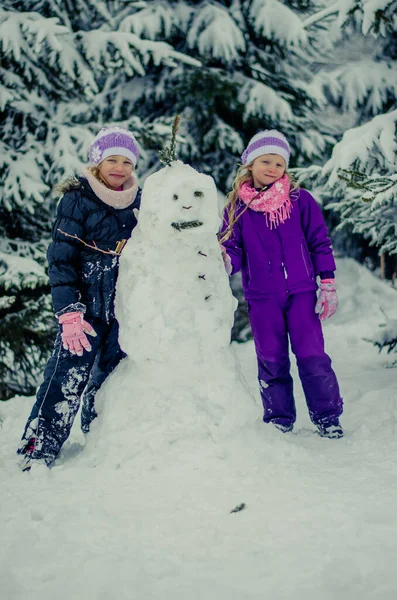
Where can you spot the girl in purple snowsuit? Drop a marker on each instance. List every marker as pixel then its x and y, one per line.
pixel 275 234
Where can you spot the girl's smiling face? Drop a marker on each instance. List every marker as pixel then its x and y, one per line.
pixel 266 169
pixel 115 170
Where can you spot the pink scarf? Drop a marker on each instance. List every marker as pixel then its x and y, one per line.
pixel 275 202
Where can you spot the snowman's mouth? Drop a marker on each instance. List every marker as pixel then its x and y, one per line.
pixel 179 225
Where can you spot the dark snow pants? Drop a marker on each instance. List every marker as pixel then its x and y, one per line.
pixel 273 319
pixel 66 378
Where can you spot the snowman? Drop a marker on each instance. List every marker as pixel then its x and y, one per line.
pixel 172 279
pixel 175 310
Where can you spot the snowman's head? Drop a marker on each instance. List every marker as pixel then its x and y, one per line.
pixel 180 201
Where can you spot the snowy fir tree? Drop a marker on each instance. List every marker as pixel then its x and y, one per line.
pixel 39 71
pixel 385 337
pixel 256 73
pixel 371 212
pixel 362 89
pixel 229 68
pixel 56 60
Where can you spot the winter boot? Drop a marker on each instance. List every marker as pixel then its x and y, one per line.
pixel 27 455
pixel 332 430
pixel 284 428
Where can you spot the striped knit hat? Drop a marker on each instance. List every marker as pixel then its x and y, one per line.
pixel 114 141
pixel 269 141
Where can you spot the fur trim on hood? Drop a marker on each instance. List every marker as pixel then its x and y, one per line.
pixel 66 185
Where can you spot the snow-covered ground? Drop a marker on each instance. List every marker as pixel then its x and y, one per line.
pixel 319 522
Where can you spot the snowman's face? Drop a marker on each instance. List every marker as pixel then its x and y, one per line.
pixel 189 209
pixel 185 201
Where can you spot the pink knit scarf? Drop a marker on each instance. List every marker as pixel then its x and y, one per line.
pixel 275 202
pixel 117 199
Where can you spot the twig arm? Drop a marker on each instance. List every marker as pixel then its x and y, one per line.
pixel 93 246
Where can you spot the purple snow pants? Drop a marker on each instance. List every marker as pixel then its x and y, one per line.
pixel 273 319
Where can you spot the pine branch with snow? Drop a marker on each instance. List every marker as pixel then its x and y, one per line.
pixel 385 338
pixel 62 63
pixel 25 321
pixel 310 69
pixel 371 186
pixel 372 149
pixel 168 154
pixel 255 73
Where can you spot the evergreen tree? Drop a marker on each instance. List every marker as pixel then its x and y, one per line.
pixel 41 72
pixel 363 91
pixel 359 181
pixel 56 61
pixel 256 73
pixel 385 338
pixel 228 67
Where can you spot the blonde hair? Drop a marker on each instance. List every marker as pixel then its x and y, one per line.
pixel 243 174
pixel 94 169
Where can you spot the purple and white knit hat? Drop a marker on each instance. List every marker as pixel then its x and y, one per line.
pixel 269 141
pixel 114 141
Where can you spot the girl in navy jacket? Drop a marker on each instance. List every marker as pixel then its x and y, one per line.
pixel 95 218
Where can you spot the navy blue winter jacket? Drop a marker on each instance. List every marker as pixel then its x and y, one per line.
pixel 81 278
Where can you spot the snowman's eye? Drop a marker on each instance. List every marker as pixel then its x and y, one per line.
pixel 175 197
pixel 198 194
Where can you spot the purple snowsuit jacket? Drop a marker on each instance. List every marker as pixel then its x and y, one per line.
pixel 285 259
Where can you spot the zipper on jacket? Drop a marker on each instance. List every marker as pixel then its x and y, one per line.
pixel 249 271
pixel 304 260
pixel 282 256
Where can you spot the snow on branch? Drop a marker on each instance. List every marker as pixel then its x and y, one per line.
pixel 362 167
pixel 362 83
pixel 321 15
pixel 369 185
pixel 113 49
pixel 376 16
pixel 263 100
pixel 215 33
pixel 8 97
pixel 18 273
pixel 151 22
pixel 39 45
pixel 70 144
pixel 22 180
pixel 225 137
pixel 379 16
pixel 275 21
pixel 18 27
pixel 385 336
pixel 375 142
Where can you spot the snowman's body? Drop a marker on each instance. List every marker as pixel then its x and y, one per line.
pixel 175 310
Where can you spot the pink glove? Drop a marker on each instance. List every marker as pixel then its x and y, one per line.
pixel 73 336
pixel 226 261
pixel 327 301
